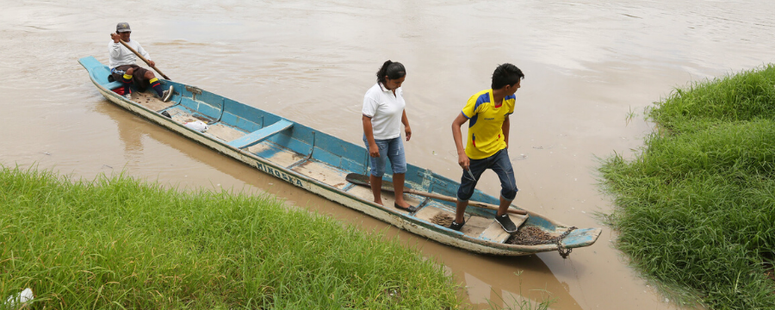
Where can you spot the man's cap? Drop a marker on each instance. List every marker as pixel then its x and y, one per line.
pixel 123 27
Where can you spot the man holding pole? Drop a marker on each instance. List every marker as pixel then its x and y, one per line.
pixel 123 67
pixel 487 113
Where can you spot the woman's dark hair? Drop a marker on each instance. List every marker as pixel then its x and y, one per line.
pixel 393 70
pixel 506 74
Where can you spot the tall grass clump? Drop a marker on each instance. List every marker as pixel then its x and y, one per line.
pixel 119 243
pixel 743 97
pixel 696 209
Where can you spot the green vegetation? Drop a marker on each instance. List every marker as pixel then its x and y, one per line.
pixel 122 244
pixel 696 209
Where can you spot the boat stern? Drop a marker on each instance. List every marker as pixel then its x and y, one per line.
pixel 98 72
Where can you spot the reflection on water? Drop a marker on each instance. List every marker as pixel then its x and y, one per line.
pixel 129 135
pixel 509 281
pixel 589 65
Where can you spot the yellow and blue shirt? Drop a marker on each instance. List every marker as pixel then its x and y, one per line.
pixel 485 124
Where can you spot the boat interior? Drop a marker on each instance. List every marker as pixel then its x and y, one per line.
pixel 317 156
pixel 310 153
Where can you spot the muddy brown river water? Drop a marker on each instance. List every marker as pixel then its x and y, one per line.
pixel 591 68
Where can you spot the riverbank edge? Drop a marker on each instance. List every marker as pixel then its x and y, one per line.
pixel 694 209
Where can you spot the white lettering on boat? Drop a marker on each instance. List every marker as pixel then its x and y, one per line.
pixel 278 173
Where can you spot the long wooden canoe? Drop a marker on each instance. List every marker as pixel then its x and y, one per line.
pixel 319 163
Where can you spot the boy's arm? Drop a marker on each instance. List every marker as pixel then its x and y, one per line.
pixel 462 158
pixel 506 127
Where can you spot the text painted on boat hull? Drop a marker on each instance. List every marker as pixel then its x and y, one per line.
pixel 278 173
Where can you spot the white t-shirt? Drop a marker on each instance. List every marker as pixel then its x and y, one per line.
pixel 120 55
pixel 385 110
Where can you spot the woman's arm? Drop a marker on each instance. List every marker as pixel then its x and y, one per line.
pixel 369 132
pixel 407 129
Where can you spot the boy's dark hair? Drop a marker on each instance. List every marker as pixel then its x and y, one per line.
pixel 506 74
pixel 393 70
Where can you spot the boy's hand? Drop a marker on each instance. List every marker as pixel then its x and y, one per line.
pixel 463 161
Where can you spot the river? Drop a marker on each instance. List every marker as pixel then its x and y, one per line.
pixel 591 68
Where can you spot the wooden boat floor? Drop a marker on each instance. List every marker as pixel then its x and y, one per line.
pixel 150 101
pixel 336 177
pixel 325 173
pixel 485 228
pixel 280 156
pixel 431 211
pixel 224 132
pixel 181 115
pixel 216 130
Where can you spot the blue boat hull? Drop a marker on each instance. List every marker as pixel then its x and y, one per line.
pixel 319 163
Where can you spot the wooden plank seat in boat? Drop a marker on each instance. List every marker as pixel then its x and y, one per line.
pixel 261 134
pixel 495 233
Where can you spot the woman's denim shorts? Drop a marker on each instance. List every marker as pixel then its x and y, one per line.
pixel 390 149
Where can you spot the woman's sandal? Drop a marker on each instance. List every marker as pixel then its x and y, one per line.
pixel 410 208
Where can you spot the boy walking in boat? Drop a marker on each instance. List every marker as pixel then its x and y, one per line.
pixel 123 68
pixel 488 140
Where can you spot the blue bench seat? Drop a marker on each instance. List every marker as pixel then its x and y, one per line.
pixel 261 134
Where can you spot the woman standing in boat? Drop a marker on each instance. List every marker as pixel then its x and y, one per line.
pixel 383 113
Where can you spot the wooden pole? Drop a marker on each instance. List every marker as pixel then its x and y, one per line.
pixel 363 180
pixel 143 58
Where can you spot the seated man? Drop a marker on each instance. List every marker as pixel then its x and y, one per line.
pixel 123 68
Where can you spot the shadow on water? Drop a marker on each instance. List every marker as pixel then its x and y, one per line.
pixel 486 279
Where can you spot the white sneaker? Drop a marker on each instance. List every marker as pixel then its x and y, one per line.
pixel 167 94
pixel 128 96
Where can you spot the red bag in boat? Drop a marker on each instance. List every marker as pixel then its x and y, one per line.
pixel 120 90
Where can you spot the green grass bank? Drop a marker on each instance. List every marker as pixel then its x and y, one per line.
pixel 696 206
pixel 119 243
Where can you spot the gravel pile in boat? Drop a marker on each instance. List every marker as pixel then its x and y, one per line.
pixel 527 235
pixel 531 235
pixel 442 219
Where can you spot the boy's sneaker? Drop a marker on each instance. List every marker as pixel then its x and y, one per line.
pixel 506 223
pixel 167 94
pixel 456 226
pixel 128 96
